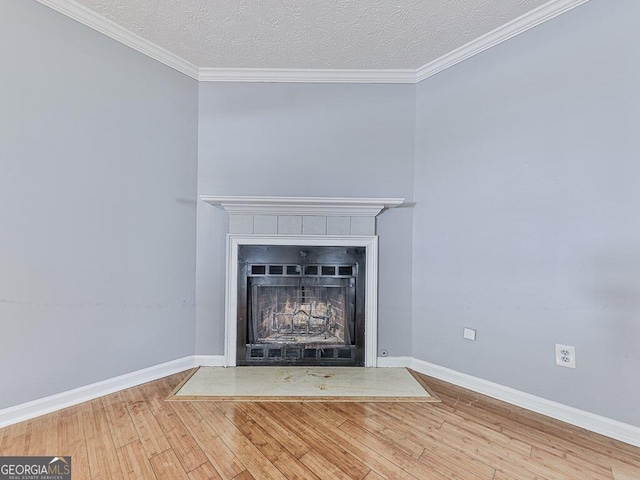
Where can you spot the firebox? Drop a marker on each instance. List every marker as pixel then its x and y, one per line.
pixel 300 305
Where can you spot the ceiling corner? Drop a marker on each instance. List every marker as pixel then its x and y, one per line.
pixel 93 20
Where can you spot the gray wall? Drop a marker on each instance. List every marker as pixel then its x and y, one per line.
pixel 527 224
pixel 98 158
pixel 314 140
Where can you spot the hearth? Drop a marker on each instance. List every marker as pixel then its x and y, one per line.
pixel 300 305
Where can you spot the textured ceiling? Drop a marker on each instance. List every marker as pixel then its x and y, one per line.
pixel 321 34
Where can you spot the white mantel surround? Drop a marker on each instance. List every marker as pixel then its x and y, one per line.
pixel 305 221
pixel 345 206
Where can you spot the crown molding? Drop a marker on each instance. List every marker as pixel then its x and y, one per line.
pixel 341 206
pixel 305 75
pixel 535 17
pixel 111 29
pixel 509 30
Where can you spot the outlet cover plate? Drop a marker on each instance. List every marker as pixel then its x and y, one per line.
pixel 565 356
pixel 469 334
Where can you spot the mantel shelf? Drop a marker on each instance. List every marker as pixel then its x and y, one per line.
pixel 328 206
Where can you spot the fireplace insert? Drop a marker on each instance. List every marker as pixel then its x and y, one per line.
pixel 300 305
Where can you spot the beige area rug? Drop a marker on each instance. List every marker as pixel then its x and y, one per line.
pixel 295 384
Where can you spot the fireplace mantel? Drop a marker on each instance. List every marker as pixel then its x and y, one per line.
pixel 302 221
pixel 327 206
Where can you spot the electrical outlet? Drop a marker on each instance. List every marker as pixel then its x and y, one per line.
pixel 565 356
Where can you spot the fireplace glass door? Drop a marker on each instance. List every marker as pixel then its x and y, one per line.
pixel 300 313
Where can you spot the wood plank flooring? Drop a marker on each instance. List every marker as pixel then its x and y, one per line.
pixel 135 434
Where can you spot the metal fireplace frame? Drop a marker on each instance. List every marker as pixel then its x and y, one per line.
pixel 370 243
pixel 296 267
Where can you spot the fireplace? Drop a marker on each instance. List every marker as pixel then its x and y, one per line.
pixel 278 309
pixel 301 305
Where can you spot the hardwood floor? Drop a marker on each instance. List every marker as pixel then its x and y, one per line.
pixel 135 434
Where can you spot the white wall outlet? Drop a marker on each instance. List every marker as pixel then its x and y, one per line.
pixel 469 334
pixel 565 356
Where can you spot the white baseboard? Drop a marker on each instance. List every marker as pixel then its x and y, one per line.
pixel 595 423
pixel 580 418
pixel 42 406
pixel 208 360
pixel 394 362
